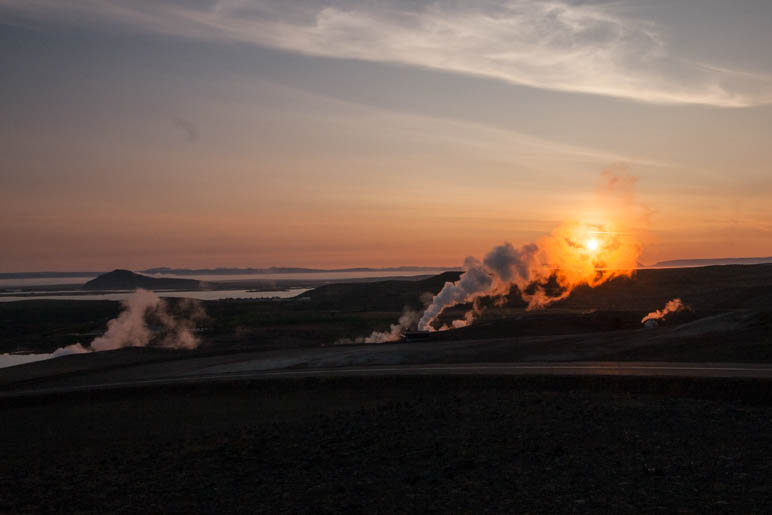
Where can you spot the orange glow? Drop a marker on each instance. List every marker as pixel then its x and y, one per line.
pixel 579 253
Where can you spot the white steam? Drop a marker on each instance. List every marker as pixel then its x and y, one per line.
pixel 171 330
pixel 394 333
pixel 131 329
pixel 75 348
pixel 407 320
pixel 503 267
pixel 672 306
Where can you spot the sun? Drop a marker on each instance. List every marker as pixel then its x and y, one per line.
pixel 592 244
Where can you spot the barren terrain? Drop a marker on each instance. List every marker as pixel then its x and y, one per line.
pixel 272 414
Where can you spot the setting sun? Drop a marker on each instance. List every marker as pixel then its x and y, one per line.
pixel 592 245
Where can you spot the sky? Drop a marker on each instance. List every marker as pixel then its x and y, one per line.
pixel 201 133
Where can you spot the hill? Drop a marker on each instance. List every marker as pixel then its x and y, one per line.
pixel 128 280
pixel 710 287
pixel 377 296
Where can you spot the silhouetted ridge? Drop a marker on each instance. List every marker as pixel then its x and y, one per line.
pixel 128 280
pixel 389 295
pixel 674 263
pixel 710 287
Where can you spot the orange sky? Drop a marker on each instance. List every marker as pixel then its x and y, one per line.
pixel 238 141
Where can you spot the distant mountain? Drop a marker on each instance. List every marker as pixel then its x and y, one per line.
pixel 128 280
pixel 285 270
pixel 679 263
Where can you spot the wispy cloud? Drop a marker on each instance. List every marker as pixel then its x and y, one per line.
pixel 585 48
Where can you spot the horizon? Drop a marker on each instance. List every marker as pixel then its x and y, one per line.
pixel 708 261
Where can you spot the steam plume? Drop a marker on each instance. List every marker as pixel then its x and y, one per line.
pixel 473 282
pixel 394 333
pixel 672 306
pixel 575 253
pixel 75 348
pixel 131 329
pixel 407 320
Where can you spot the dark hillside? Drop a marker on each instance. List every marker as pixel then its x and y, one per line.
pixel 127 280
pixel 377 296
pixel 711 287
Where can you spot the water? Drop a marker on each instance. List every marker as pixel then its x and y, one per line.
pixel 303 276
pixel 200 295
pixel 9 360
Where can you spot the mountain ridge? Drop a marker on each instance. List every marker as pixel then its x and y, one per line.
pixel 676 263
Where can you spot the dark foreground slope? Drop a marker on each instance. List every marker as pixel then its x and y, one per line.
pixel 394 445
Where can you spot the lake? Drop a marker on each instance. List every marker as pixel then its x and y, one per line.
pixel 200 295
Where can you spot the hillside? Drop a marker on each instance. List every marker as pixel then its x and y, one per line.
pixel 675 263
pixel 127 280
pixel 377 296
pixel 711 287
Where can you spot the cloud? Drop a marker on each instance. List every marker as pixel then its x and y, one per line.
pixel 586 48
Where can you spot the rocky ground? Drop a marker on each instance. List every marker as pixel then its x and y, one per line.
pixel 385 445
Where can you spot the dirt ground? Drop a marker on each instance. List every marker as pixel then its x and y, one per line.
pixel 385 445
